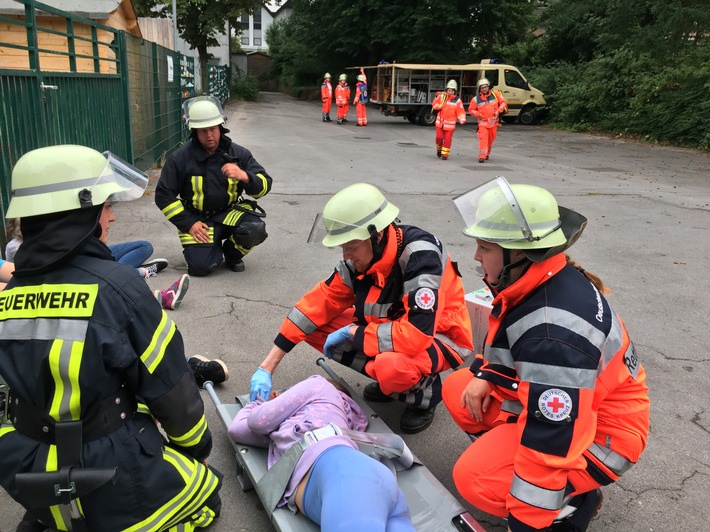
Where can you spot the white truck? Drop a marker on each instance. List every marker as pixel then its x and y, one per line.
pixel 408 89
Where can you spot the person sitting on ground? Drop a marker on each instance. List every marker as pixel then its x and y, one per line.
pixel 132 253
pixel 333 484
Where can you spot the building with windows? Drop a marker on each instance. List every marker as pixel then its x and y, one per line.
pixel 253 27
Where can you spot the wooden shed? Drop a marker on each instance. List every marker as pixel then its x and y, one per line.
pixel 118 14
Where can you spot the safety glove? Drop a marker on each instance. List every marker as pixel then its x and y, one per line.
pixel 335 339
pixel 260 385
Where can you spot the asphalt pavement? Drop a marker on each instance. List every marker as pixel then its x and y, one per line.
pixel 649 219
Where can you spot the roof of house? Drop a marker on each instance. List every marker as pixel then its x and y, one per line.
pixel 274 6
pixel 91 9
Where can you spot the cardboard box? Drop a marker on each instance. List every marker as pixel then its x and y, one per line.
pixel 479 308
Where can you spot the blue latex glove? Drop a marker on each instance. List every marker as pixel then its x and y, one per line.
pixel 335 339
pixel 260 385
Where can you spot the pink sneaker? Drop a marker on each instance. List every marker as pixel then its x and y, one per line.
pixel 172 297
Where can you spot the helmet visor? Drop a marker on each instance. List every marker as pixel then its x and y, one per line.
pixel 492 213
pixel 130 179
pixel 192 101
pixel 334 233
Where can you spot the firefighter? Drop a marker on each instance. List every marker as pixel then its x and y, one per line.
pixel 201 191
pixel 342 98
pixel 487 106
pixel 326 96
pixel 558 396
pixel 393 308
pixel 93 362
pixel 449 108
pixel 360 101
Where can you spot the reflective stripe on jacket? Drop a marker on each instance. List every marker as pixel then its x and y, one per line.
pixel 485 108
pixel 450 110
pixel 342 94
pixel 70 338
pixel 559 356
pixel 392 299
pixel 193 188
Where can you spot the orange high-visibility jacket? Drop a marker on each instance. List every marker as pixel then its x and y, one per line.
pixel 485 108
pixel 450 110
pixel 326 91
pixel 411 294
pixel 561 360
pixel 342 94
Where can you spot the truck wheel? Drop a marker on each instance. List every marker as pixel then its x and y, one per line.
pixel 527 115
pixel 426 117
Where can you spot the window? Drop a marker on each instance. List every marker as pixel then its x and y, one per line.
pixel 257 41
pixel 257 20
pixel 513 79
pixel 245 39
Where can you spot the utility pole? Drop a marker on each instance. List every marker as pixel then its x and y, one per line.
pixel 175 33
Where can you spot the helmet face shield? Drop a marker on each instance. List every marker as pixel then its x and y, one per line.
pixel 128 177
pixel 493 213
pixel 334 233
pixel 203 111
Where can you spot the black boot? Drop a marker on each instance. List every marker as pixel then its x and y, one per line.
pixel 327 117
pixel 30 524
pixel 324 119
pixel 415 419
pixel 587 506
pixel 374 394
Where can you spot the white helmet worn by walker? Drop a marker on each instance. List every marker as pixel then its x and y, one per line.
pixel 203 111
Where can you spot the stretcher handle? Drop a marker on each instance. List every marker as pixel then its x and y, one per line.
pixel 209 386
pixel 324 365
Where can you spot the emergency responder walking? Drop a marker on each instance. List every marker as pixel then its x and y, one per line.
pixel 449 109
pixel 559 392
pixel 326 96
pixel 93 363
pixel 201 191
pixel 393 309
pixel 342 98
pixel 487 106
pixel 361 98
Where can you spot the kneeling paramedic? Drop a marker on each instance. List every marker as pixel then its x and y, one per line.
pixel 393 309
pixel 558 400
pixel 92 362
pixel 211 174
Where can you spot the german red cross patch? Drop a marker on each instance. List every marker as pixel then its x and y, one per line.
pixel 425 298
pixel 555 404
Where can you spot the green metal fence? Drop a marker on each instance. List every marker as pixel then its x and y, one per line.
pixel 69 80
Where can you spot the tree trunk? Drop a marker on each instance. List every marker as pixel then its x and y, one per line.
pixel 202 52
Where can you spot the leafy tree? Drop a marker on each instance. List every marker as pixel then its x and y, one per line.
pixel 199 22
pixel 334 34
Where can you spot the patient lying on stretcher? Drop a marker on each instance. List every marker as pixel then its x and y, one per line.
pixel 333 484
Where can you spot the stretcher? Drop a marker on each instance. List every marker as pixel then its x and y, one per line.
pixel 432 507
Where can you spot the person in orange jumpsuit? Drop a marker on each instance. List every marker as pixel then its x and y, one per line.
pixel 450 109
pixel 326 96
pixel 487 106
pixel 361 98
pixel 557 404
pixel 342 98
pixel 393 309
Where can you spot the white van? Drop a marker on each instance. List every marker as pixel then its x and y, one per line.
pixel 408 89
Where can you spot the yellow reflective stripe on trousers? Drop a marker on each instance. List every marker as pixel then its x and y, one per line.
pixel 173 209
pixel 186 238
pixel 240 249
pixel 200 483
pixel 64 365
pixel 193 436
pixel 198 194
pixel 264 186
pixel 153 354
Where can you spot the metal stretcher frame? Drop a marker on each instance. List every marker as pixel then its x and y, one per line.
pixel 432 507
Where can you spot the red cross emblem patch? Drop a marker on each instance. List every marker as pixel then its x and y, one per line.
pixel 555 404
pixel 425 298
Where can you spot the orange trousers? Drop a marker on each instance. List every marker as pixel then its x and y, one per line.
pixel 484 472
pixel 343 111
pixel 361 111
pixel 486 138
pixel 444 137
pixel 326 105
